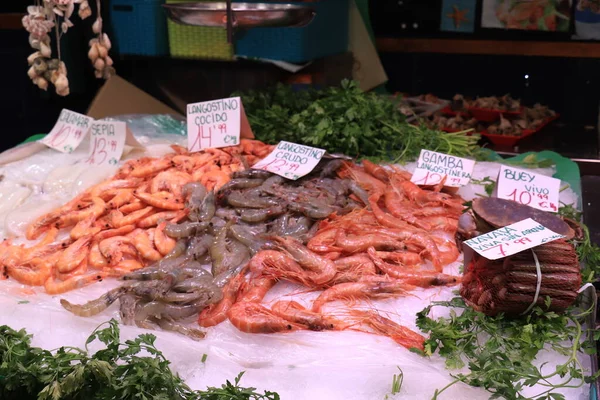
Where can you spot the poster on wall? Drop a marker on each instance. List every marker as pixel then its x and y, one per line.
pixel 458 16
pixel 587 20
pixel 532 15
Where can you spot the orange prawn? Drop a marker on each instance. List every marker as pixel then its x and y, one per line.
pixel 214 314
pixel 294 312
pixel 384 326
pixel 255 318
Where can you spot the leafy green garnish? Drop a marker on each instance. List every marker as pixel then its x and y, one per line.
pixel 500 351
pixel 397 381
pixel 488 184
pixel 347 120
pixel 117 371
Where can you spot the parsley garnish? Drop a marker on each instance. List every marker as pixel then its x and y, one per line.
pixel 117 371
pixel 500 351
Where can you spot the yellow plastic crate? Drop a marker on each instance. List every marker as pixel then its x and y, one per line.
pixel 198 41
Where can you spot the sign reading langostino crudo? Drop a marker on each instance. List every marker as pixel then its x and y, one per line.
pixel 291 160
pixel 214 124
pixel 432 167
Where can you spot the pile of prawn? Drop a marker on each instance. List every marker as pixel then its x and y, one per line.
pixel 222 230
pixel 118 226
pixel 385 249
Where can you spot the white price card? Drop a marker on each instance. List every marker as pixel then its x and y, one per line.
pixel 432 167
pixel 512 239
pixel 291 160
pixel 68 132
pixel 107 141
pixel 214 124
pixel 525 187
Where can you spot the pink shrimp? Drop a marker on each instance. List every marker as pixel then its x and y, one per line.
pixel 163 243
pixel 407 258
pixel 255 289
pixel 376 170
pixel 122 197
pixel 395 206
pixel 154 219
pixel 34 272
pixel 353 268
pixel 74 254
pixel 118 220
pixel 76 282
pixel 85 227
pixel 97 208
pixel 133 205
pixel 417 278
pixel 255 318
pixel 214 314
pixel 294 312
pixel 152 167
pixel 384 326
pixel 95 258
pixel 116 247
pixel 213 180
pixel 323 269
pixel 170 180
pixel 159 200
pixel 324 241
pixel 364 179
pixel 144 246
pixel 360 243
pixel 375 288
pixel 440 223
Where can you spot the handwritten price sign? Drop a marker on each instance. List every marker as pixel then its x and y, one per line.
pixel 291 160
pixel 512 239
pixel 107 141
pixel 432 167
pixel 214 124
pixel 68 132
pixel 525 187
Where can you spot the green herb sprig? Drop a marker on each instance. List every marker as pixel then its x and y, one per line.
pixel 500 351
pixel 347 120
pixel 117 371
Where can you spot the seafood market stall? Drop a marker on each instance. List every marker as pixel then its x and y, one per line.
pixel 291 240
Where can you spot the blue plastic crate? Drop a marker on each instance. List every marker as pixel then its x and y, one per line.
pixel 327 34
pixel 140 27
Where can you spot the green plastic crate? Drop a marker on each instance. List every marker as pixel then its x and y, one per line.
pixel 198 41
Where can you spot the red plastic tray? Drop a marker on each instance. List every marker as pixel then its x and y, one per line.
pixel 449 111
pixel 491 115
pixel 507 140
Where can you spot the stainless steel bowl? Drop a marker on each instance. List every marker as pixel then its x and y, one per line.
pixel 245 15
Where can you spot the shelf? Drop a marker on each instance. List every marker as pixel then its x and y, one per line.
pixel 490 47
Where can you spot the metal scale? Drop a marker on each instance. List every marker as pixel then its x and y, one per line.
pixel 235 16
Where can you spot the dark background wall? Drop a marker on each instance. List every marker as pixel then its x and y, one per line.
pixel 570 86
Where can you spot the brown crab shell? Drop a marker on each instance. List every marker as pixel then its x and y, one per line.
pixel 499 213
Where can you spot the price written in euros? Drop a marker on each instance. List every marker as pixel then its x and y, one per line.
pixel 278 165
pixel 531 199
pixel 433 178
pixel 68 132
pixel 100 150
pixel 205 134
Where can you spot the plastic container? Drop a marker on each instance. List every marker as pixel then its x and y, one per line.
pixel 198 41
pixel 327 34
pixel 508 140
pixel 140 27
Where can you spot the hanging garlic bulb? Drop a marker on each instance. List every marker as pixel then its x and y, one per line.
pixel 40 21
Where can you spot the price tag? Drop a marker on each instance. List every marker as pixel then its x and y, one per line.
pixel 433 166
pixel 214 124
pixel 291 160
pixel 512 239
pixel 107 140
pixel 68 132
pixel 525 187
